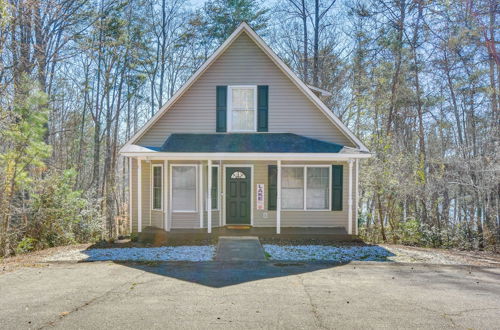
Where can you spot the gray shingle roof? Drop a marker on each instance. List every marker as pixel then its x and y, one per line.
pixel 247 142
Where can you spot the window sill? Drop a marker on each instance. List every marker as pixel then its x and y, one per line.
pixel 302 210
pixel 245 131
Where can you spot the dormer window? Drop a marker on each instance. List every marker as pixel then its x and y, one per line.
pixel 242 106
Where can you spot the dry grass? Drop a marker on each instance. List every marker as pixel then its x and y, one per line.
pixel 34 259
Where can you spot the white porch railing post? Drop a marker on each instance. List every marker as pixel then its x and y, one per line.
pixel 130 195
pixel 349 199
pixel 139 195
pixel 356 204
pixel 220 190
pixel 166 207
pixel 200 194
pixel 278 199
pixel 209 197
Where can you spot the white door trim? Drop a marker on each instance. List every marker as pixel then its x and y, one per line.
pixel 251 190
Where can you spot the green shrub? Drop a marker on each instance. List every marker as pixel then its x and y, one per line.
pixel 60 215
pixel 27 244
pixel 410 232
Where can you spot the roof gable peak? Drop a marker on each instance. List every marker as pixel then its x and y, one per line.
pixel 245 28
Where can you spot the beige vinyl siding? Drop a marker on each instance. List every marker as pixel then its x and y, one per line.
pixel 244 63
pixel 157 216
pixel 267 218
pixel 215 214
pixel 145 191
pixel 149 217
pixel 300 218
pixel 261 218
pixel 184 219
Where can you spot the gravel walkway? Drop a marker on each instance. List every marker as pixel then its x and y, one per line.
pixel 165 253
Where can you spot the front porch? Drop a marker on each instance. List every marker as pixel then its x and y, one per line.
pixel 276 181
pixel 159 236
pixel 207 195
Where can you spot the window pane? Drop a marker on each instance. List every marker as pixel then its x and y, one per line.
pixel 292 188
pixel 243 109
pixel 157 187
pixel 243 120
pixel 243 98
pixel 318 185
pixel 184 188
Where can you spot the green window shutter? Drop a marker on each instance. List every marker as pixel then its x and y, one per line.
pixel 221 109
pixel 215 179
pixel 262 108
pixel 272 191
pixel 337 183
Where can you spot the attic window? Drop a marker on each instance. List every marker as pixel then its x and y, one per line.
pixel 242 106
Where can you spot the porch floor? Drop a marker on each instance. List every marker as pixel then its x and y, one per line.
pixel 158 235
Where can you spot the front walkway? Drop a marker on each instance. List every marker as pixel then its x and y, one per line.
pixel 242 248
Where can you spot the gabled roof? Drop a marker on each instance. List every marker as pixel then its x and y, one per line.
pixel 247 142
pixel 244 27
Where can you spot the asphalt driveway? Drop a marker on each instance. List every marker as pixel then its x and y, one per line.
pixel 247 295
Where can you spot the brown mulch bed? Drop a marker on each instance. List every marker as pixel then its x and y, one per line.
pixel 127 243
pixel 309 241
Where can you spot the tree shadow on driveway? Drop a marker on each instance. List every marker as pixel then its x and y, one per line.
pixel 222 274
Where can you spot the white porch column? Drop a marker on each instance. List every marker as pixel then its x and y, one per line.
pixel 278 199
pixel 209 198
pixel 130 195
pixel 200 194
pixel 349 199
pixel 139 195
pixel 166 207
pixel 356 209
pixel 220 189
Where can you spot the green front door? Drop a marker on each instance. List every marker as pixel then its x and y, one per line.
pixel 238 190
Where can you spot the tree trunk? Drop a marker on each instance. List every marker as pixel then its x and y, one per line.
pixel 316 44
pixel 397 63
pixel 305 42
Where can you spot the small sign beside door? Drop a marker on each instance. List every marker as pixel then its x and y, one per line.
pixel 260 196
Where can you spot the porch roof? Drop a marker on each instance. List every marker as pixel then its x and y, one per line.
pixel 246 142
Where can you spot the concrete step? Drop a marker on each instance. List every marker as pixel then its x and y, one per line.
pixel 241 248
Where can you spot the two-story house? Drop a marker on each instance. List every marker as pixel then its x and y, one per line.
pixel 244 142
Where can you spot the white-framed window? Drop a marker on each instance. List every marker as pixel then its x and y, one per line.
pixel 242 105
pixel 318 188
pixel 215 189
pixel 184 187
pixel 306 187
pixel 292 188
pixel 157 187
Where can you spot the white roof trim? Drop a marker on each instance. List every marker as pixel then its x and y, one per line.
pixel 133 149
pixel 152 155
pixel 266 49
pixel 322 91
